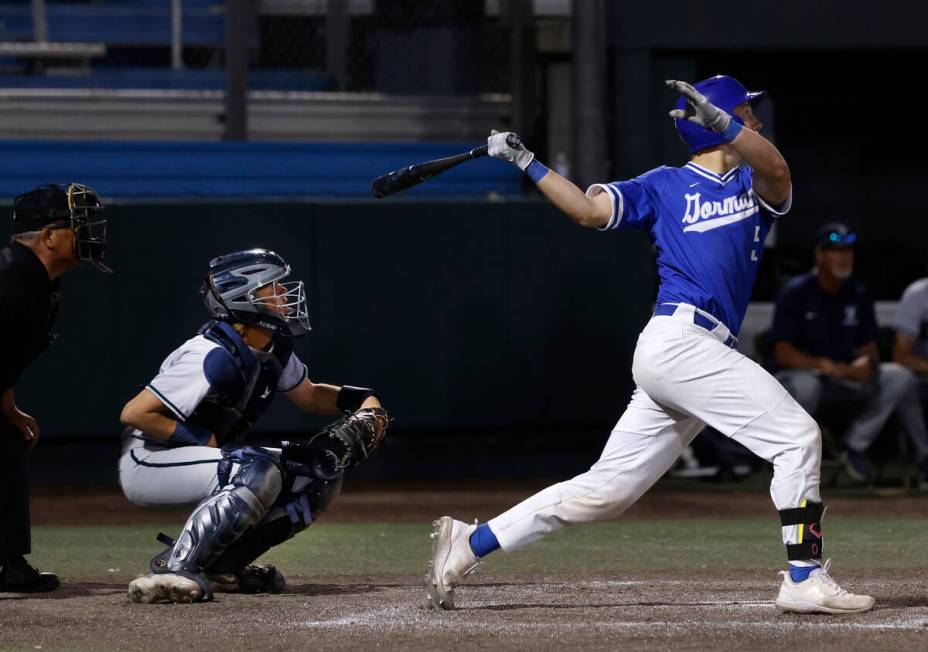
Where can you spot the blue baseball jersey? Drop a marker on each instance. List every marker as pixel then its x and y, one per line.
pixel 708 229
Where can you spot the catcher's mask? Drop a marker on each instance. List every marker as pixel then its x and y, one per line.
pixel 247 287
pixel 76 207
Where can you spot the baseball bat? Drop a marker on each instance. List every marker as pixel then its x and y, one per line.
pixel 412 175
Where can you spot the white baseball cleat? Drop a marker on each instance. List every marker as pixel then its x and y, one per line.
pixel 452 560
pixel 819 594
pixel 164 587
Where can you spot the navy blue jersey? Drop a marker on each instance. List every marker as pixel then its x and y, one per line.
pixel 709 231
pixel 824 325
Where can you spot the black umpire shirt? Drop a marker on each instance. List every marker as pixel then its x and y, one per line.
pixel 28 307
pixel 825 325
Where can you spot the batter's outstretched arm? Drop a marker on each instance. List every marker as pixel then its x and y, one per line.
pixel 591 212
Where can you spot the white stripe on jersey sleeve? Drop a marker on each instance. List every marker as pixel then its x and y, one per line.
pixel 784 207
pixel 618 204
pixel 181 382
pixel 292 375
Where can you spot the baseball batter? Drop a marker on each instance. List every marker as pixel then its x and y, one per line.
pixel 708 221
pixel 187 437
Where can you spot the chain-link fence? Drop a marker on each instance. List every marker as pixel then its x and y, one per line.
pixel 412 47
pixel 443 47
pixel 112 43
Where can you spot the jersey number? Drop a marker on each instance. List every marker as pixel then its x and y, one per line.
pixel 756 239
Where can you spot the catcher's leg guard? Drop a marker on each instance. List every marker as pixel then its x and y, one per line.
pixel 222 518
pixel 252 544
pixel 233 569
pixel 807 542
pixel 293 513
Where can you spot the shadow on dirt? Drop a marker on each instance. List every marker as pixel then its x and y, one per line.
pixel 70 590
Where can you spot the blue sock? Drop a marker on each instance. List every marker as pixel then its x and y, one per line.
pixel 800 573
pixel 483 541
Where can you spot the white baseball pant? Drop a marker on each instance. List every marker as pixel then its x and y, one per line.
pixel 151 474
pixel 686 378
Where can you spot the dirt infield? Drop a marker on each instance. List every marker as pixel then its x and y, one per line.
pixel 656 609
pixel 695 611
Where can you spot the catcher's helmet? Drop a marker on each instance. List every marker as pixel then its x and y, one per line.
pixel 230 290
pixel 76 206
pixel 724 92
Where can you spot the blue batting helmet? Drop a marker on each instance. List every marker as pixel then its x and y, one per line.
pixel 724 92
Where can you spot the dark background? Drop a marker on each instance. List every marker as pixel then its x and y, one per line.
pixel 465 317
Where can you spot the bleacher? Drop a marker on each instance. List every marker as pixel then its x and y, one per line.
pixel 169 79
pixel 117 22
pixel 125 31
pixel 100 100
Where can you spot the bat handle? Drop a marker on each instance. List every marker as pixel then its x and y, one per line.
pixel 512 140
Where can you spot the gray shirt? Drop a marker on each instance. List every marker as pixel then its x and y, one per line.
pixel 912 315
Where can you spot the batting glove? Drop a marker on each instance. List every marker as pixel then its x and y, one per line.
pixel 700 110
pixel 497 147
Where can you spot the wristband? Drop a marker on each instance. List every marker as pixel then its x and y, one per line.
pixel 732 130
pixel 188 433
pixel 350 398
pixel 537 170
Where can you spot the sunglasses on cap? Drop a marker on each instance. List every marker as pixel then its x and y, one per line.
pixel 834 239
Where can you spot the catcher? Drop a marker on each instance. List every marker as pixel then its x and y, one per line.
pixel 187 436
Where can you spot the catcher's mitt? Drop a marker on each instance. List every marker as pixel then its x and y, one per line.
pixel 355 437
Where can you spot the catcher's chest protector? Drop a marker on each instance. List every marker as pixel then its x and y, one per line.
pixel 243 382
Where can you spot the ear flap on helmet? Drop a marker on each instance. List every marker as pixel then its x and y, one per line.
pixel 212 299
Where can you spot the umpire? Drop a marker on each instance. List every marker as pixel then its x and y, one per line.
pixel 56 229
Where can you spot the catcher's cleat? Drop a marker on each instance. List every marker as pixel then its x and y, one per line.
pixel 164 587
pixel 452 560
pixel 253 579
pixel 819 594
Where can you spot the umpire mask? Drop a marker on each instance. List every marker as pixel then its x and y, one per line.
pixel 89 225
pixel 76 207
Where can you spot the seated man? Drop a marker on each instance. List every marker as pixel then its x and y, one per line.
pixel 911 346
pixel 188 441
pixel 824 341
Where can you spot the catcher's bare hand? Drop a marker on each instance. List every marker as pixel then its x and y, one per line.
pixel 698 108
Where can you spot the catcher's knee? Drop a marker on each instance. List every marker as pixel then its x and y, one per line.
pixel 261 475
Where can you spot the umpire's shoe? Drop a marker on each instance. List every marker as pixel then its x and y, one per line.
pixel 819 594
pixel 452 560
pixel 164 587
pixel 17 576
